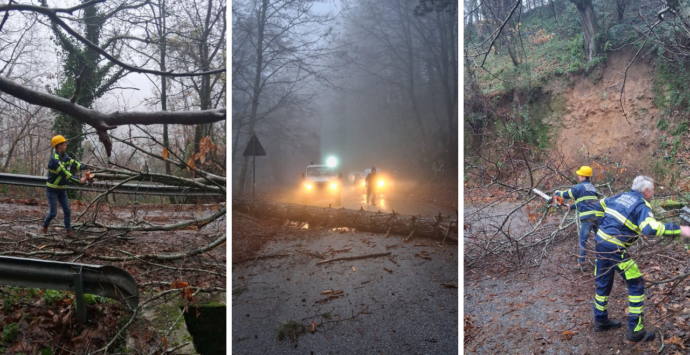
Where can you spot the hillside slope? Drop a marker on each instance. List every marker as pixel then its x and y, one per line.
pixel 593 124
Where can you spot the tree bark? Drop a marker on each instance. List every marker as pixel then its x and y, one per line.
pixel 620 10
pixel 589 27
pixel 377 222
pixel 256 90
pixel 164 84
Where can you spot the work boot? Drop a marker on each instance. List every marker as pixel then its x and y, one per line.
pixel 581 267
pixel 607 325
pixel 69 234
pixel 641 335
pixel 44 230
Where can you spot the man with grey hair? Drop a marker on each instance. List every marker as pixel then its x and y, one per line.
pixel 626 217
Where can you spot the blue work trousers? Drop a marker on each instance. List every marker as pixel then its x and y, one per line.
pixel 55 196
pixel 585 228
pixel 612 259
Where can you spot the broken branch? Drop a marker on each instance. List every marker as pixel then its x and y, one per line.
pixel 353 258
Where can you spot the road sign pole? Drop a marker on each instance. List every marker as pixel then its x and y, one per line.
pixel 254 148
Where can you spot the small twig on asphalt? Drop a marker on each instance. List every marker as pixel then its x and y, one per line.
pixel 314 255
pixel 352 258
pixel 409 237
pixel 511 311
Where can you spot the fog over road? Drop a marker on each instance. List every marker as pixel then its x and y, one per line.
pixel 399 198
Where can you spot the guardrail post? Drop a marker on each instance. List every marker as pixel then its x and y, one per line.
pixel 79 292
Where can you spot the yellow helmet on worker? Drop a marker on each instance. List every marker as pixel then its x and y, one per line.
pixel 584 171
pixel 57 140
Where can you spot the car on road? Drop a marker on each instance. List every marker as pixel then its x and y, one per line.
pixel 321 181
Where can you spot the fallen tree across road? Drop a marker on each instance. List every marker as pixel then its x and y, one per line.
pixel 377 222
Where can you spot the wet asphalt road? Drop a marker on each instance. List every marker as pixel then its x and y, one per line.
pixel 406 310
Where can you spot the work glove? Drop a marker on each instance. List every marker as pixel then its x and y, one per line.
pixel 83 182
pixel 685 231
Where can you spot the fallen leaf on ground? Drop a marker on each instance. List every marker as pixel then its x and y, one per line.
pixel 353 269
pixel 568 334
pixel 176 284
pixel 326 292
pixel 675 340
pixel 313 327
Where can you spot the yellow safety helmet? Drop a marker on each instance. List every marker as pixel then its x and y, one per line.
pixel 584 171
pixel 57 140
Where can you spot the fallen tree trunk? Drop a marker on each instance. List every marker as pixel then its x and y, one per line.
pixel 377 222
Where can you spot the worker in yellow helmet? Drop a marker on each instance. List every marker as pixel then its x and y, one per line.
pixel 60 168
pixel 585 198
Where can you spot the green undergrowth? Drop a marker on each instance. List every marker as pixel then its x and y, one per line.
pixel 553 50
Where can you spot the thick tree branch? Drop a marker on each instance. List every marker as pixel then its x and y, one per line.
pixel 102 122
pixel 52 14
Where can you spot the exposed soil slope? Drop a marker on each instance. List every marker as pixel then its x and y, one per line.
pixel 594 124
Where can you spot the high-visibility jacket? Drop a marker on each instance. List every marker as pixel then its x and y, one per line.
pixel 626 217
pixel 60 170
pixel 586 199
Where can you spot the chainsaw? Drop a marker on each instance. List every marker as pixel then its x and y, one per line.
pixel 555 201
pixel 552 201
pixel 89 177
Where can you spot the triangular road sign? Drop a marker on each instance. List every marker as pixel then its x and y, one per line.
pixel 254 148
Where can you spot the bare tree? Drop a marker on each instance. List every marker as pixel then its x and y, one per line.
pixel 286 39
pixel 98 120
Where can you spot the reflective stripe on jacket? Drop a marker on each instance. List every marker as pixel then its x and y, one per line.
pixel 60 171
pixel 585 198
pixel 628 215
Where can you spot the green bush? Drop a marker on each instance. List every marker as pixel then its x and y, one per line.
pixel 662 124
pixel 10 332
pixel 51 296
pixel 680 129
pixel 675 146
pixel 673 89
pixel 525 128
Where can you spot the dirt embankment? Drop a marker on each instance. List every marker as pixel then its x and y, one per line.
pixel 593 124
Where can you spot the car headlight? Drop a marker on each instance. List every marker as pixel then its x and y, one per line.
pixel 380 182
pixel 364 183
pixel 308 186
pixel 334 185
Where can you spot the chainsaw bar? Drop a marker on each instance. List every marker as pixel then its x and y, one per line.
pixel 553 201
pixel 543 195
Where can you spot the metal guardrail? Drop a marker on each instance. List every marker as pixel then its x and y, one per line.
pixel 106 281
pixel 102 186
